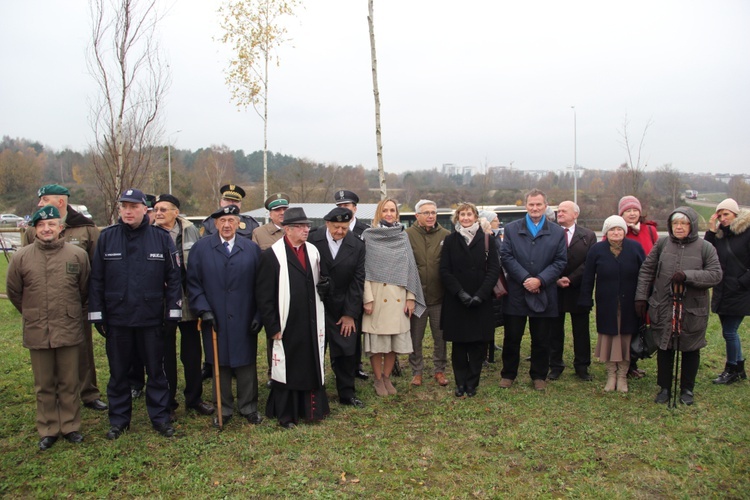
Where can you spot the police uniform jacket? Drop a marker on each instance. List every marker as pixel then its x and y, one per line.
pixel 48 284
pixel 225 285
pixel 135 277
pixel 245 229
pixel 347 275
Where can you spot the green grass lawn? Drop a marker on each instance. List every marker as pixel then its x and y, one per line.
pixel 571 441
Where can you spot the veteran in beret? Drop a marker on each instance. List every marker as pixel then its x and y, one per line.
pixel 47 282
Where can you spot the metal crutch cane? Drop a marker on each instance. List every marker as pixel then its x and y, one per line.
pixel 678 294
pixel 217 380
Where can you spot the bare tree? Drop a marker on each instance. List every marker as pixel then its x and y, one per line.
pixel 376 92
pixel 253 28
pixel 669 180
pixel 127 65
pixel 635 168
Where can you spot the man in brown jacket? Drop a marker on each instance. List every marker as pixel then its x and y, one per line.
pixel 426 239
pixel 81 232
pixel 48 283
pixel 268 234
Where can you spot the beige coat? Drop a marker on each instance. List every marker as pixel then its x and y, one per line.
pixel 387 316
pixel 266 235
pixel 48 283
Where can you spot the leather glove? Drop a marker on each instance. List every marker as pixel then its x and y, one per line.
pixel 255 327
pixel 101 329
pixel 464 297
pixel 641 308
pixel 475 301
pixel 678 277
pixel 324 287
pixel 207 321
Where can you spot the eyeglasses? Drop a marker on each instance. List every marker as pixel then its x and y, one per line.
pixel 300 226
pixel 163 209
pixel 428 214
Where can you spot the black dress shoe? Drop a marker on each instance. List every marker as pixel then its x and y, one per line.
pixel 353 401
pixel 460 391
pixel 254 418
pixel 288 425
pixel 96 404
pixel 115 431
pixel 361 374
pixel 554 374
pixel 662 397
pixel 136 393
pixel 585 376
pixel 46 442
pixel 224 420
pixel 686 397
pixel 73 437
pixel 165 430
pixel 203 408
pixel 471 391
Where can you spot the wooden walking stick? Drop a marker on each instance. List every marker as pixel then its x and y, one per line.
pixel 217 380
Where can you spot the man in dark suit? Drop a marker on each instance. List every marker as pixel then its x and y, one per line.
pixel 349 200
pixel 579 241
pixel 342 261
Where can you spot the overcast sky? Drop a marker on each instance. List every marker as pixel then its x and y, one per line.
pixel 471 82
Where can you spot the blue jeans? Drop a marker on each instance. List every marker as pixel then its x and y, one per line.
pixel 729 327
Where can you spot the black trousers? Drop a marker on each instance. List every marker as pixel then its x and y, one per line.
pixel 467 359
pixel 581 342
pixel 689 363
pixel 190 356
pixel 344 368
pixel 514 328
pixel 122 344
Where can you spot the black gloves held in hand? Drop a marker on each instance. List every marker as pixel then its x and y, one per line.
pixel 255 327
pixel 641 308
pixel 101 329
pixel 324 287
pixel 678 277
pixel 207 321
pixel 475 301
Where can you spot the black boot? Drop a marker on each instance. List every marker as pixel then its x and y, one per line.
pixel 728 376
pixel 741 370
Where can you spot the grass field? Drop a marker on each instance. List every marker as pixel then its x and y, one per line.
pixel 571 441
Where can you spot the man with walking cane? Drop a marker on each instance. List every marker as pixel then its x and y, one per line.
pixel 672 289
pixel 221 290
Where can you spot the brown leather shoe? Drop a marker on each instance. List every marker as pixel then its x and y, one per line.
pixel 540 384
pixel 505 383
pixel 203 408
pixel 440 379
pixel 416 379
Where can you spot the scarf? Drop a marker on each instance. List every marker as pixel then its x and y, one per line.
pixel 389 259
pixel 468 233
pixel 615 248
pixel 534 228
pixel 636 228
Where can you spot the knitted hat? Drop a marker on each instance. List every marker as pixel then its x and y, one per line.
pixel 614 221
pixel 628 202
pixel 488 214
pixel 729 204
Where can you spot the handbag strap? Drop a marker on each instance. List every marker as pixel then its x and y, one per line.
pixel 734 256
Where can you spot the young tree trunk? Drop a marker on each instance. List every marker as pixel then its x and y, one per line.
pixel 376 92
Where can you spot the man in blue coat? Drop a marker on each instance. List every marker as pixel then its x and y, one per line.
pixel 221 290
pixel 134 290
pixel 534 254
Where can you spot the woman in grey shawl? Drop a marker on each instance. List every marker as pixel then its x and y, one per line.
pixel 393 293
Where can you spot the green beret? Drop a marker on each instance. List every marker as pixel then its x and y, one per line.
pixel 45 213
pixel 52 189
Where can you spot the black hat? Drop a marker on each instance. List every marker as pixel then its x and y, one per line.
pixel 150 200
pixel 339 214
pixel 232 192
pixel 228 210
pixel 276 200
pixel 168 197
pixel 345 196
pixel 133 196
pixel 295 215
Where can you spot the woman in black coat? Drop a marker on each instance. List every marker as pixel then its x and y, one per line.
pixel 613 264
pixel 469 271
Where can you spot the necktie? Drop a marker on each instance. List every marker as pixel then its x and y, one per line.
pixel 570 235
pixel 226 246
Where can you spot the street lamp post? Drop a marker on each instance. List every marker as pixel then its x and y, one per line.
pixel 169 159
pixel 575 158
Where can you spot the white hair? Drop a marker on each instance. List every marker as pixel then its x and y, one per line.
pixel 420 203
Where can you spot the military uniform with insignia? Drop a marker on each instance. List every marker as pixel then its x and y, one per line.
pixel 232 194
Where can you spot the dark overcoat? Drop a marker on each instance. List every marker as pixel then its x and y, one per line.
pixel 347 275
pixel 300 335
pixel 225 285
pixel 525 256
pixel 732 295
pixel 469 268
pixel 616 279
pixel 580 244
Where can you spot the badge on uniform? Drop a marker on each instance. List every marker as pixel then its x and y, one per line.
pixel 243 225
pixel 176 258
pixel 73 268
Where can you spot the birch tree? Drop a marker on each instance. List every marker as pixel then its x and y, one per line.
pixel 132 77
pixel 254 30
pixel 376 93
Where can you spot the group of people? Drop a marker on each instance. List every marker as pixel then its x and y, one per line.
pixel 350 289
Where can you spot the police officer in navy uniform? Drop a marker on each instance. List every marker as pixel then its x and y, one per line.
pixel 349 200
pixel 135 288
pixel 231 194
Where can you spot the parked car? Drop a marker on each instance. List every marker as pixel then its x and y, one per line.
pixel 10 220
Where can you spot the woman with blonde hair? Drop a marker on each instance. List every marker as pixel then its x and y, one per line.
pixel 392 294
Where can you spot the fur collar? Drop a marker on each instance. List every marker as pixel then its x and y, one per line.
pixel 739 225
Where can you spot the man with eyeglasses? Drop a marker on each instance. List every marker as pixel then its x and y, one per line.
pixel 426 239
pixel 294 319
pixel 184 235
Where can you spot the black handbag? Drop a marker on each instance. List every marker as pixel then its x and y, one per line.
pixel 643 345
